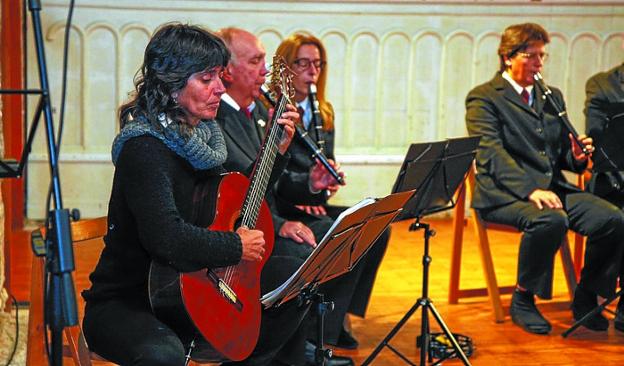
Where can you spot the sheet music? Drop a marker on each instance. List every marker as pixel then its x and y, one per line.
pixel 365 202
pixel 270 298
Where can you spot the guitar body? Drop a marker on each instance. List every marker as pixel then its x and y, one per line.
pixel 192 304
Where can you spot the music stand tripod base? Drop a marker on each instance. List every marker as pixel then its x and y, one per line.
pixel 596 310
pixel 426 305
pixel 434 171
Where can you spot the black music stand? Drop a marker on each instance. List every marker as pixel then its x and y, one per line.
pixel 435 170
pixel 346 242
pixel 609 157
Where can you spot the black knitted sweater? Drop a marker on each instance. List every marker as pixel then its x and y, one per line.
pixel 148 217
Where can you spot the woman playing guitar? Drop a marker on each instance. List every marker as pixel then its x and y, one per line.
pixel 168 143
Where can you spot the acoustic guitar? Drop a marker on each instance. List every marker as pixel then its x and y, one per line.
pixel 216 311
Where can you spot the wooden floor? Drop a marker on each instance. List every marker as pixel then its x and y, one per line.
pixel 399 285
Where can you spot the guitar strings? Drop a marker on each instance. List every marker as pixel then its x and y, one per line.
pixel 255 196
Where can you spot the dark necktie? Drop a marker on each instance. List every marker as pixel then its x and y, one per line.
pixel 252 131
pixel 247 113
pixel 300 111
pixel 525 96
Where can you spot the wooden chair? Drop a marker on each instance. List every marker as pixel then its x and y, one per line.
pixel 579 240
pixel 492 289
pixel 87 239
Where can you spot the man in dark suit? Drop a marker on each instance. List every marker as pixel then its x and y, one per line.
pixel 603 89
pixel 519 182
pixel 242 118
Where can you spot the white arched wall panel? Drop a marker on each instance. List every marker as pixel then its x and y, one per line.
pixel 392 124
pixel 364 65
pixel 584 46
pixel 134 38
pixel 335 44
pixel 424 104
pixel 409 61
pixel 100 101
pixel 456 83
pixel 271 39
pixel 556 68
pixel 73 127
pixel 486 62
pixel 612 51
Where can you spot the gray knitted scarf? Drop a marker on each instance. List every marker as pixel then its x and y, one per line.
pixel 203 149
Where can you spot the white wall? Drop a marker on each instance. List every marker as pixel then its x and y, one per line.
pixel 399 72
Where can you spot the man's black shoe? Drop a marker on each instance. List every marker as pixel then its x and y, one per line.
pixel 346 340
pixel 584 302
pixel 525 314
pixel 332 361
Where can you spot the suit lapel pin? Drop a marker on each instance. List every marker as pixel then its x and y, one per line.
pixel 261 123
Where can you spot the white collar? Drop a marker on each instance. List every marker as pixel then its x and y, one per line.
pixel 517 87
pixel 307 112
pixel 232 103
pixel 304 104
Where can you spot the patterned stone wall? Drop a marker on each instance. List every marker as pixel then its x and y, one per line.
pixel 399 72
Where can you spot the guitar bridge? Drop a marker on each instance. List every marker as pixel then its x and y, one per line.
pixel 224 290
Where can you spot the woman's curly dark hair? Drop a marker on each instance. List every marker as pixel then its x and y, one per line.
pixel 174 53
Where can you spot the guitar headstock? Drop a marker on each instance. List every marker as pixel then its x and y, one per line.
pixel 281 83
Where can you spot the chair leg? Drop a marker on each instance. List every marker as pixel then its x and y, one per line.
pixel 568 266
pixel 458 238
pixel 579 241
pixel 488 269
pixel 35 352
pixel 77 346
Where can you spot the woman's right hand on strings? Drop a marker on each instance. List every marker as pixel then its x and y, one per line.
pixel 253 243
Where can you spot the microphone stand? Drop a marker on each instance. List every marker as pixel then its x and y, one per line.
pixel 563 115
pixel 60 307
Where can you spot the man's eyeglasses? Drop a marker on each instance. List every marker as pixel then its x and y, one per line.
pixel 304 63
pixel 543 56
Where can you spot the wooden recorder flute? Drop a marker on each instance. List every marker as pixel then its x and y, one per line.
pixel 308 142
pixel 563 115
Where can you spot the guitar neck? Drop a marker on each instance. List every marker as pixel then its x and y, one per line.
pixel 263 168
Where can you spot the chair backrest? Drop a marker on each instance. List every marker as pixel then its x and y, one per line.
pixel 87 239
